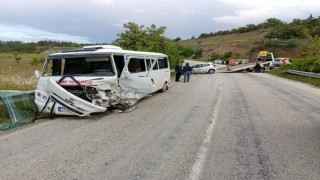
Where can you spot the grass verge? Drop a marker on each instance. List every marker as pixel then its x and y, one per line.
pixel 17 73
pixel 7 85
pixel 308 80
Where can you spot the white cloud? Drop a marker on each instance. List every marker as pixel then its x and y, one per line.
pixel 27 34
pixel 104 2
pixel 271 3
pixel 185 10
pixel 140 11
pixel 243 16
pixel 252 11
pixel 102 20
pixel 120 23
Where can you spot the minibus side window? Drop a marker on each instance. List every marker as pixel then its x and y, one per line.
pixel 136 65
pixel 163 63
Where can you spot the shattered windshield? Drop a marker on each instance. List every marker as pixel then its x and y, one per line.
pixel 78 66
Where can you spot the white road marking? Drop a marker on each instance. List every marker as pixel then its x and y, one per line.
pixel 201 155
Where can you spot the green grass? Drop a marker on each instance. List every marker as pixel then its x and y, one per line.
pixel 18 74
pixel 308 80
pixel 249 37
pixel 8 85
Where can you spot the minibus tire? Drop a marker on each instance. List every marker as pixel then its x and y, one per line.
pixel 164 87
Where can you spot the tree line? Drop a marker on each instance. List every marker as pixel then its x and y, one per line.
pixel 277 28
pixel 33 47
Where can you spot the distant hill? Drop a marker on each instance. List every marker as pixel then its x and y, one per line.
pixel 241 43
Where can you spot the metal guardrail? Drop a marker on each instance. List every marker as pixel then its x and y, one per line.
pixel 303 73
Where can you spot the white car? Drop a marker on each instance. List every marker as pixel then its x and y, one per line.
pixel 204 68
pixel 278 62
pixel 219 61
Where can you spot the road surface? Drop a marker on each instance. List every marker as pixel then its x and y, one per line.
pixel 220 126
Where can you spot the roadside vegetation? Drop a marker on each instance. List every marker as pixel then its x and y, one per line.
pixel 141 38
pixel 273 35
pixel 17 70
pixel 308 80
pixel 306 63
pixel 278 31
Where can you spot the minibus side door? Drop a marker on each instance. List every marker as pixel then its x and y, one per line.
pixel 134 76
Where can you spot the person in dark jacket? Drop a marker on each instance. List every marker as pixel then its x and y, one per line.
pixel 257 68
pixel 178 70
pixel 186 72
pixel 228 65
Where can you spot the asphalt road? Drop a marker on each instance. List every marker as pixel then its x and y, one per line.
pixel 220 126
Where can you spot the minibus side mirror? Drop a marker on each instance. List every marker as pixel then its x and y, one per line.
pixel 36 74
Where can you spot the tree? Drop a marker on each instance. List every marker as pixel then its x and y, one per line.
pixel 141 38
pixel 215 56
pixel 177 39
pixel 134 37
pixel 273 22
pixel 197 54
pixel 315 43
pixel 251 27
pixel 227 55
pixel 286 32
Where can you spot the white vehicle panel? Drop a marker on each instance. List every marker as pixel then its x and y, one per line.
pixel 73 103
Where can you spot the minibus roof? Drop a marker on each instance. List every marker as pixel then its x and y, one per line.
pixel 99 51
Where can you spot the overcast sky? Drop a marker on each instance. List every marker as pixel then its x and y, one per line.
pixel 97 21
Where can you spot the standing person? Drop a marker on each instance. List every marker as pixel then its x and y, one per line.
pixel 178 70
pixel 257 68
pixel 186 72
pixel 228 65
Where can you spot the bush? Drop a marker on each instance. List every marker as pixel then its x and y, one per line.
pixel 292 43
pixel 197 54
pixel 306 64
pixel 37 60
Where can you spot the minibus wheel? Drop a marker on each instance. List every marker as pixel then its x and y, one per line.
pixel 165 87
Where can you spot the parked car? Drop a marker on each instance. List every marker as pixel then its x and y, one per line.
pixel 219 61
pixel 279 61
pixel 204 68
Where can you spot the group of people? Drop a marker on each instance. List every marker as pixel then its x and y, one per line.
pixel 185 70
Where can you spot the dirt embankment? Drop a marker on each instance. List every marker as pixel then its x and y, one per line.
pixel 240 43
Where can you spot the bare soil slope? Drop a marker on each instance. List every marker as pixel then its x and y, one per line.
pixel 239 43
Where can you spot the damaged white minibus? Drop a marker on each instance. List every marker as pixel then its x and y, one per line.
pixel 89 80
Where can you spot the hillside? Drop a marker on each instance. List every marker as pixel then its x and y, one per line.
pixel 240 43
